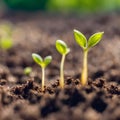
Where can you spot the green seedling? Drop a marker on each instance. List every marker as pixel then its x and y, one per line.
pixel 6 43
pixel 63 49
pixel 27 71
pixel 5 36
pixel 86 45
pixel 43 63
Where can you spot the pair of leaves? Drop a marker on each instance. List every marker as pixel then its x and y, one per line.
pixel 62 47
pixel 42 62
pixel 92 41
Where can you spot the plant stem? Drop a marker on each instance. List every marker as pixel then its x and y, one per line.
pixel 43 78
pixel 62 72
pixel 84 74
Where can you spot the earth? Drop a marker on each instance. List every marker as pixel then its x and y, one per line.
pixel 20 95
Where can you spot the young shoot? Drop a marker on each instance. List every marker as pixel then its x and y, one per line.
pixel 43 63
pixel 63 49
pixel 86 45
pixel 5 36
pixel 27 71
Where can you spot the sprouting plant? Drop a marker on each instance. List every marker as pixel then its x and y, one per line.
pixel 43 63
pixel 86 45
pixel 63 49
pixel 27 71
pixel 5 36
pixel 6 43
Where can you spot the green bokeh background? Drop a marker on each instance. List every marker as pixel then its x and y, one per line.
pixel 26 4
pixel 80 6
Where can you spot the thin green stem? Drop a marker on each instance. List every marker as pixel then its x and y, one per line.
pixel 43 78
pixel 62 72
pixel 84 74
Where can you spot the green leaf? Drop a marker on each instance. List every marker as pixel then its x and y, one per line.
pixel 61 47
pixel 94 39
pixel 68 50
pixel 37 58
pixel 80 39
pixel 47 60
pixel 6 43
pixel 27 70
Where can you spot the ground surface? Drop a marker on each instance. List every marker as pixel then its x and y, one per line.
pixel 20 95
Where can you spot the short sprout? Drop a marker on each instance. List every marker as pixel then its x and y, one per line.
pixel 27 71
pixel 43 63
pixel 5 36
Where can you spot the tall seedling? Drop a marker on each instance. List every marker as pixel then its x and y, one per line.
pixel 86 45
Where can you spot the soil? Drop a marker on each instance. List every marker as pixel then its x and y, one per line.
pixel 20 95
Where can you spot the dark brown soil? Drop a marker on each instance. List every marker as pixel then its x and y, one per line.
pixel 20 95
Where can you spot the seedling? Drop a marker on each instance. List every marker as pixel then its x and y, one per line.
pixel 5 36
pixel 63 49
pixel 6 43
pixel 86 45
pixel 27 71
pixel 43 63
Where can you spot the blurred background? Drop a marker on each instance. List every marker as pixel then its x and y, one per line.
pixel 41 30
pixel 62 6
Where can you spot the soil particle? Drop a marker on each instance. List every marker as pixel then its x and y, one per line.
pixel 98 104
